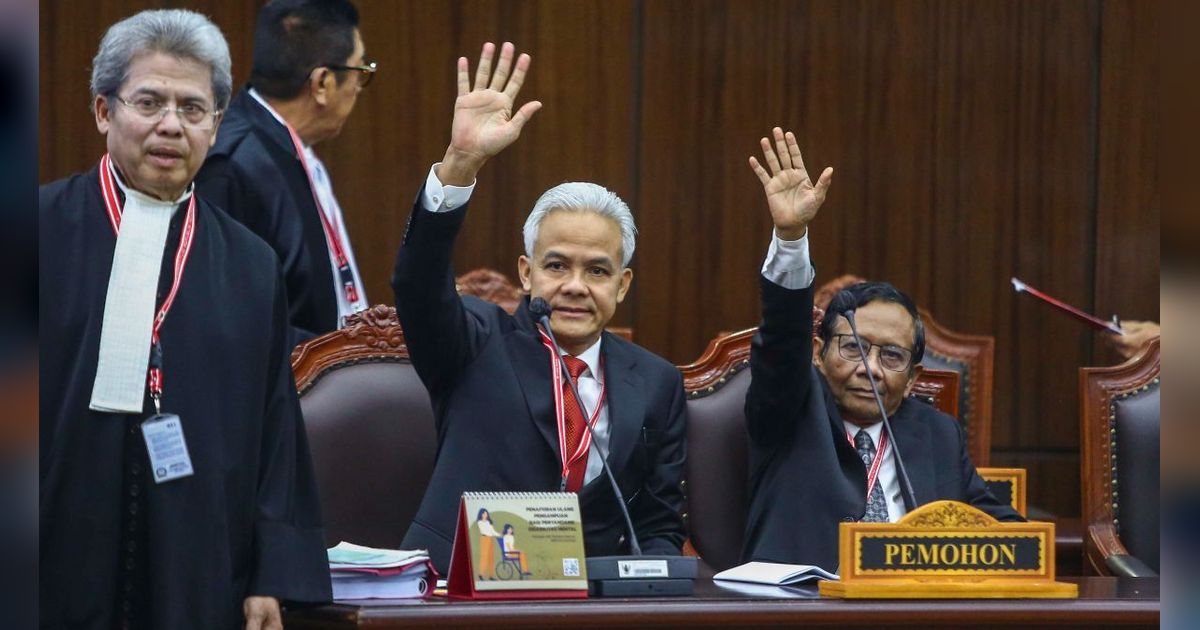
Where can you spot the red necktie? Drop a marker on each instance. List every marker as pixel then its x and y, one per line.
pixel 574 420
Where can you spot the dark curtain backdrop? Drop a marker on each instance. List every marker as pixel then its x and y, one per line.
pixel 972 142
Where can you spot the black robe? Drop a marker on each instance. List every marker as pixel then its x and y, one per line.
pixel 248 521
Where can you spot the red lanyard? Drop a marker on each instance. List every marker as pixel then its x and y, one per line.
pixel 333 235
pixel 560 412
pixel 873 473
pixel 112 204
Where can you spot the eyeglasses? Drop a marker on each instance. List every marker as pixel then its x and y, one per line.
pixel 151 110
pixel 365 72
pixel 892 358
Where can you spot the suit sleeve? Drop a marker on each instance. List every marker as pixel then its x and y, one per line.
pixel 442 337
pixel 656 513
pixel 975 490
pixel 289 562
pixel 780 362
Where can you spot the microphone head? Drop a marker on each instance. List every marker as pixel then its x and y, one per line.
pixel 539 307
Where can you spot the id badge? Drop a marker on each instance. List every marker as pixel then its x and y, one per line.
pixel 169 459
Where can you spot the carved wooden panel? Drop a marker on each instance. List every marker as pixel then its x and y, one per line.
pixel 370 335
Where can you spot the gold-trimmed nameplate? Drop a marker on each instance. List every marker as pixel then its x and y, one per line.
pixel 947 549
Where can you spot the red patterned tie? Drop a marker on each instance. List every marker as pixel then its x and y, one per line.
pixel 575 419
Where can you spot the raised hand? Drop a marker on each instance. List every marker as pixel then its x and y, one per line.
pixel 484 122
pixel 791 196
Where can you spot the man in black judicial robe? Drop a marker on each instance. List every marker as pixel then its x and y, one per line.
pixel 806 407
pixel 488 372
pixel 308 70
pixel 228 543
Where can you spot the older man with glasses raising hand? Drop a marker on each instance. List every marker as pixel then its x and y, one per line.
pixel 308 69
pixel 176 489
pixel 818 451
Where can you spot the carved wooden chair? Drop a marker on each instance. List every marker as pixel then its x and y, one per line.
pixel 497 288
pixel 715 477
pixel 1119 465
pixel 971 356
pixel 370 428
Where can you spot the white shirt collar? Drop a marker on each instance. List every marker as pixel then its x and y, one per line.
pixel 875 431
pixel 591 357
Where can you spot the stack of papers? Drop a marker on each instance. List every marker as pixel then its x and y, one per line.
pixel 775 574
pixel 359 572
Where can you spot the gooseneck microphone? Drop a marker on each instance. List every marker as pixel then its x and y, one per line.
pixel 541 310
pixel 905 483
pixel 635 574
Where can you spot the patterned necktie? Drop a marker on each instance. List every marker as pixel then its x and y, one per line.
pixel 575 419
pixel 876 507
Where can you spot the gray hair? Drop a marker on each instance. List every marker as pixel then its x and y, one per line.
pixel 583 197
pixel 177 32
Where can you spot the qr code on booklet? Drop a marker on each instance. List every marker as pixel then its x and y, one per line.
pixel 571 567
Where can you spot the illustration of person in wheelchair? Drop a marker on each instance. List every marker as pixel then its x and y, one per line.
pixel 513 563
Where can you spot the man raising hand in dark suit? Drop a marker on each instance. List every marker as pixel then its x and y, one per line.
pixel 502 423
pixel 818 452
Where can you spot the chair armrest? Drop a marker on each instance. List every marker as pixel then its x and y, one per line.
pixel 1125 565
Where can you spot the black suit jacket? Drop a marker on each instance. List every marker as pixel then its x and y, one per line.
pixel 488 376
pixel 805 477
pixel 253 174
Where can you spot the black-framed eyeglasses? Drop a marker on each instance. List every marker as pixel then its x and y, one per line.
pixel 894 358
pixel 366 72
pixel 151 109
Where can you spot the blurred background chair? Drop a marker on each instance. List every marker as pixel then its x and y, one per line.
pixel 1120 465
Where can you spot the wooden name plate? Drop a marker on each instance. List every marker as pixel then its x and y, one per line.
pixel 947 549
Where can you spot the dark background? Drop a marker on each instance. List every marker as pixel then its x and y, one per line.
pixel 972 142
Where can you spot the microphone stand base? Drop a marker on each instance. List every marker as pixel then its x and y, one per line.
pixel 641 576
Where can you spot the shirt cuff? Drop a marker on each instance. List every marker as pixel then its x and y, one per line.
pixel 439 198
pixel 788 263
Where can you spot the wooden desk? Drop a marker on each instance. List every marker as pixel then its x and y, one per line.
pixel 1103 602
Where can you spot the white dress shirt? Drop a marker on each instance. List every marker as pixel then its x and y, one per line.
pixel 323 190
pixel 439 198
pixel 788 264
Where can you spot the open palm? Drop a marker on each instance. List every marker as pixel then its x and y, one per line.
pixel 484 122
pixel 792 197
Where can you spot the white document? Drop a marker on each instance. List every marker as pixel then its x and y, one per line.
pixel 351 556
pixel 775 574
pixel 413 582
